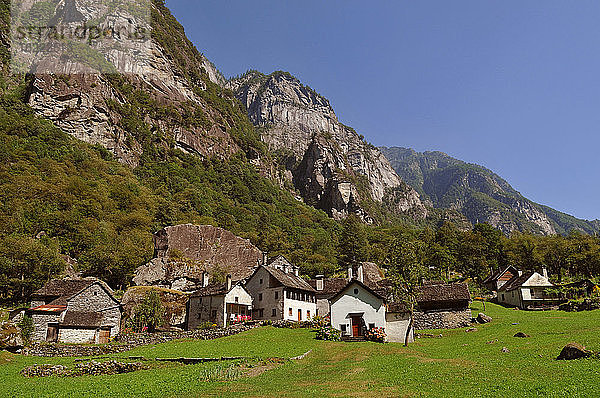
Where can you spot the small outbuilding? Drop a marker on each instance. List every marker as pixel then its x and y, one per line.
pixel 75 311
pixel 442 306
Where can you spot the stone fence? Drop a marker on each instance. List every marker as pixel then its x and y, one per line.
pixel 127 342
pixel 442 319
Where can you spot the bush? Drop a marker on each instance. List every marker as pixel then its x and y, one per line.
pixel 327 333
pixel 207 325
pixel 376 334
pixel 148 315
pixel 26 326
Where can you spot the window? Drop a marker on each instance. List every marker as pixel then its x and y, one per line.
pixel 502 297
pixel 237 299
pixel 213 314
pixel 291 313
pixel 355 291
pixel 343 328
pixel 308 313
pixel 260 281
pixel 259 296
pixel 274 312
pixel 371 326
pixel 276 295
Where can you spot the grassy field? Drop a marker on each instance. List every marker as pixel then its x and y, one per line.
pixel 460 364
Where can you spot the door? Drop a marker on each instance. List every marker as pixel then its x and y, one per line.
pixel 104 336
pixel 52 333
pixel 356 326
pixel 299 315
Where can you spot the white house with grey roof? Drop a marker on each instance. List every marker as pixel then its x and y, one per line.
pixel 75 311
pixel 279 293
pixel 526 290
pixel 218 303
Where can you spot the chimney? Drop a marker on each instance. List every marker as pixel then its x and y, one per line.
pixel 360 275
pixel 520 272
pixel 296 270
pixel 320 282
pixel 228 282
pixel 350 273
pixel 264 258
pixel 205 279
pixel 545 272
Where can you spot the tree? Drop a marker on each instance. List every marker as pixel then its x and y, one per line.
pixel 149 314
pixel 406 270
pixel 353 243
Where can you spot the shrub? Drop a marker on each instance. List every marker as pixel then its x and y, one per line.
pixel 26 326
pixel 148 315
pixel 376 334
pixel 207 325
pixel 328 333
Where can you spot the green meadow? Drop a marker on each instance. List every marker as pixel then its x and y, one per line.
pixel 459 364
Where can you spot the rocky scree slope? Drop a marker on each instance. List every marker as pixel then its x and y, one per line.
pixel 478 193
pixel 329 164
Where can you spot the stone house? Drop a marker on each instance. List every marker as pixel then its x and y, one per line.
pixel 75 311
pixel 526 290
pixel 500 277
pixel 357 308
pixel 279 293
pixel 218 303
pixel 442 306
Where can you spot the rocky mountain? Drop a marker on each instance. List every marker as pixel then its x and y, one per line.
pixel 170 95
pixel 478 193
pixel 329 164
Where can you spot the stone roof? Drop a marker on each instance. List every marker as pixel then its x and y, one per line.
pixel 397 307
pixel 517 281
pixel 82 319
pixel 62 290
pixel 289 279
pixel 331 286
pixel 498 273
pixel 443 292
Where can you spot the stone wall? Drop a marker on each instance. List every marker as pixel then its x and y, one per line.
pixel 95 298
pixel 40 322
pixel 127 342
pixel 442 319
pixel 77 335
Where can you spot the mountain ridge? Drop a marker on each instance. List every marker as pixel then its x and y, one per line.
pixel 479 193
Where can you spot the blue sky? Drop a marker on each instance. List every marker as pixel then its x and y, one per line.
pixel 511 85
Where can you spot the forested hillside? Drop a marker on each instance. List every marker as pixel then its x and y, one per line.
pixel 192 155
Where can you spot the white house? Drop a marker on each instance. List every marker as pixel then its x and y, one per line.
pixel 526 290
pixel 218 303
pixel 279 293
pixel 357 308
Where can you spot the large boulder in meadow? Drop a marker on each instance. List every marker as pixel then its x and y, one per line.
pixel 10 336
pixel 483 318
pixel 574 351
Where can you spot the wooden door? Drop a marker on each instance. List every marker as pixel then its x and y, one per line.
pixel 52 333
pixel 356 329
pixel 104 336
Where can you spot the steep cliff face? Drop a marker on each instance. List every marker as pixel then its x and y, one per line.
pixel 172 97
pixel 331 165
pixel 478 193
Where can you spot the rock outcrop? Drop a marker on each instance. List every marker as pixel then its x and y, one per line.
pixel 10 337
pixel 331 165
pixel 478 193
pixel 184 252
